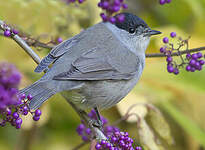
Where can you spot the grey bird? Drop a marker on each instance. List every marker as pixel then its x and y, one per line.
pixel 96 68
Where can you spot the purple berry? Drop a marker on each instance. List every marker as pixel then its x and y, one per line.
pixel 124 6
pixel 199 68
pixel 192 62
pixel 25 113
pixel 197 65
pixel 188 68
pixel 138 148
pixel 104 17
pixel 60 40
pixel 15 115
pixel 173 34
pixel 29 97
pixel 162 2
pixel 117 2
pixel 18 126
pixel 169 59
pixel 170 69
pixel 23 96
pixel 113 139
pixel 112 20
pixel 201 62
pixel 7 33
pixel 19 121
pixel 115 8
pixel 37 112
pixel 100 4
pixel 121 18
pixel 168 1
pixel 105 4
pixel 8 111
pixel 103 142
pixel 81 127
pixel 108 145
pixel 194 56
pixel 199 55
pixel 84 138
pixel 98 146
pixel 25 108
pixel 36 118
pixel 162 49
pixel 193 69
pixel 188 55
pixel 166 40
pixel 176 71
pixel 88 131
pixel 80 1
pixel 109 128
pixel 15 31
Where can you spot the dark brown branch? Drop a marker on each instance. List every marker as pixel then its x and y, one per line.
pixel 40 44
pixel 176 54
pixel 32 42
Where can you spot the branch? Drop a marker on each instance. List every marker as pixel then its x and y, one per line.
pixel 98 133
pixel 32 41
pixel 23 45
pixel 176 54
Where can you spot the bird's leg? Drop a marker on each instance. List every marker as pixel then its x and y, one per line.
pixel 99 121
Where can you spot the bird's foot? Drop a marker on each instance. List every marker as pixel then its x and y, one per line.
pixel 96 123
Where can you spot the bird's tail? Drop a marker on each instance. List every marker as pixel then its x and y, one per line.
pixel 39 92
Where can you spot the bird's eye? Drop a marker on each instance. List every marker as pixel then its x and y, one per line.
pixel 131 30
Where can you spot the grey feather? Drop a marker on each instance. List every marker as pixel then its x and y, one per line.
pixel 39 91
pixel 38 100
pixel 103 64
pixel 57 52
pixel 45 63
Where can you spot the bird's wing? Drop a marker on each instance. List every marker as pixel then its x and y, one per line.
pixel 57 52
pixel 115 63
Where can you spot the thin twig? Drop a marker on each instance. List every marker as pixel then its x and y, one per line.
pixel 32 42
pixel 176 53
pixel 98 133
pixel 23 45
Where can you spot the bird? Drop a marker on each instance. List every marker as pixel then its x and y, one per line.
pixel 96 68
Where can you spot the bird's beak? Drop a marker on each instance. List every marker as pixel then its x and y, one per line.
pixel 154 32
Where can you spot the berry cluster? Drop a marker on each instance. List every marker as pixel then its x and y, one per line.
pixel 195 62
pixel 116 140
pixel 8 31
pixel 111 7
pixel 11 104
pixel 73 1
pixel 191 62
pixel 162 2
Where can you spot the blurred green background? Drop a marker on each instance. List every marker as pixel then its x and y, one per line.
pixel 181 98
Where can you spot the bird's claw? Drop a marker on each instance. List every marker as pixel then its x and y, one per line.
pixel 96 123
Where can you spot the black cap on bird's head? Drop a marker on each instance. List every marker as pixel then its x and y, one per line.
pixel 132 23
